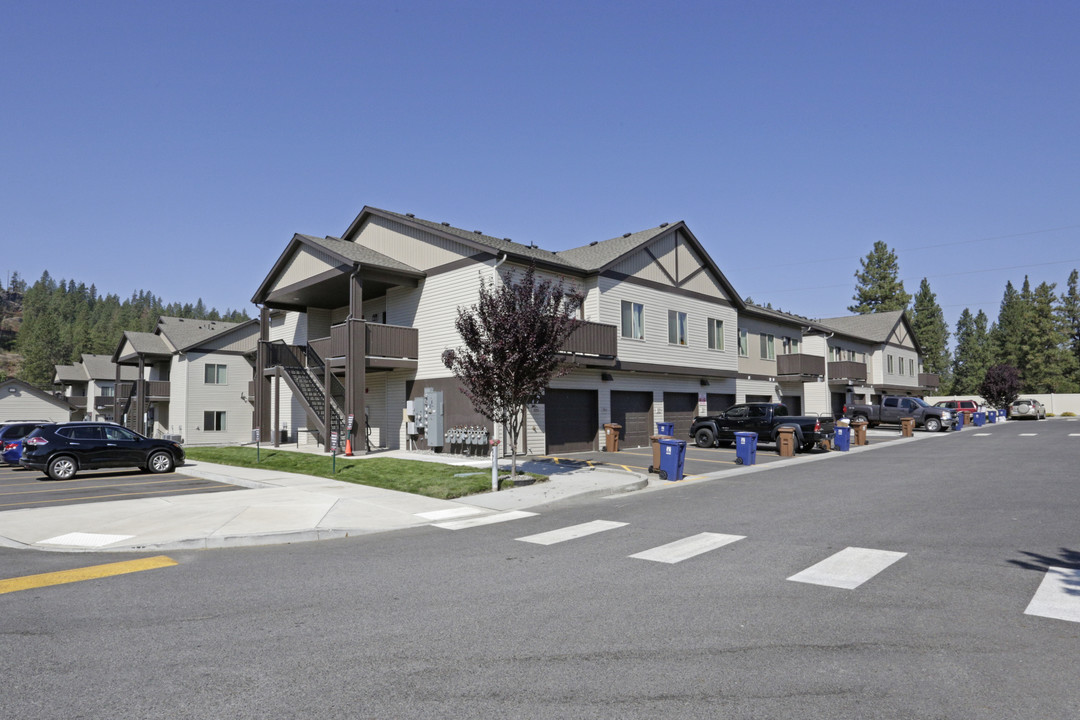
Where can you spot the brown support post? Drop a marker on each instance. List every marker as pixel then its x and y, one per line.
pixel 356 364
pixel 328 410
pixel 140 398
pixel 262 382
pixel 116 396
pixel 277 406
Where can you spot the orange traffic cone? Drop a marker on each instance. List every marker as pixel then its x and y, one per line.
pixel 348 447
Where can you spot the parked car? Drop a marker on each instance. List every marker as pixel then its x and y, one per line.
pixel 63 449
pixel 893 408
pixel 1027 408
pixel 969 407
pixel 765 419
pixel 11 435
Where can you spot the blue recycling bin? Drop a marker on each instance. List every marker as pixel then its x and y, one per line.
pixel 745 448
pixel 959 421
pixel 672 458
pixel 980 419
pixel 992 416
pixel 842 439
pixel 663 428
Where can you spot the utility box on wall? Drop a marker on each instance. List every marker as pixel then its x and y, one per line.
pixel 433 412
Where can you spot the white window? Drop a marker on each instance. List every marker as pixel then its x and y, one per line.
pixel 744 343
pixel 911 368
pixel 901 366
pixel 214 420
pixel 768 350
pixel 716 334
pixel 890 364
pixel 107 391
pixel 216 374
pixel 790 346
pixel 676 327
pixel 633 320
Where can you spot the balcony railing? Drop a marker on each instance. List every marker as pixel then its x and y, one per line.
pixel 592 338
pixel 930 380
pixel 76 401
pixel 847 370
pixel 380 340
pixel 152 389
pixel 799 364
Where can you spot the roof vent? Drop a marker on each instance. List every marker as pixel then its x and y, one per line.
pixel 627 234
pixel 446 224
pixel 507 240
pixel 409 215
pixel 594 242
pixel 478 232
pixel 663 224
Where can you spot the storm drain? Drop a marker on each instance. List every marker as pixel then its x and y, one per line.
pixel 88 540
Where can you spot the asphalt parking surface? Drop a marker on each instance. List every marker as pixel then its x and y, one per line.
pixel 699 461
pixel 22 488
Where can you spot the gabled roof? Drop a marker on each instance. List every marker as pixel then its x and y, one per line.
pixel 876 327
pixel 101 367
pixel 473 238
pixel 185 333
pixel 351 252
pixel 598 255
pixel 28 388
pixel 75 373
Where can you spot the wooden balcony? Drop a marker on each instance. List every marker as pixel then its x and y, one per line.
pixel 800 364
pixel 593 339
pixel 380 341
pixel 76 401
pixel 153 389
pixel 930 380
pixel 847 370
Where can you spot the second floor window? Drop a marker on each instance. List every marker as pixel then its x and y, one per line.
pixel 768 350
pixel 744 343
pixel 676 327
pixel 107 391
pixel 216 375
pixel 890 363
pixel 716 334
pixel 791 346
pixel 633 320
pixel 911 368
pixel 901 366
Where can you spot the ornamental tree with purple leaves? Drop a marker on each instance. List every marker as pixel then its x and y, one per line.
pixel 512 338
pixel 1000 386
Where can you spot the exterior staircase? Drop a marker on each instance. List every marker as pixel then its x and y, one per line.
pixel 305 373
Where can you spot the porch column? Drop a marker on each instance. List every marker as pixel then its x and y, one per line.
pixel 262 382
pixel 140 397
pixel 116 396
pixel 356 363
pixel 277 407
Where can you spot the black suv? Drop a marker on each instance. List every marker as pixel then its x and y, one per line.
pixel 63 449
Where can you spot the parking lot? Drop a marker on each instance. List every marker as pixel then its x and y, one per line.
pixel 22 488
pixel 699 461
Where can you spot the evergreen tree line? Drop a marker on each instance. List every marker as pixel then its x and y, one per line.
pixel 1036 334
pixel 62 320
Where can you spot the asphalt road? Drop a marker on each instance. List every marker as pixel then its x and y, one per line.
pixel 479 623
pixel 22 488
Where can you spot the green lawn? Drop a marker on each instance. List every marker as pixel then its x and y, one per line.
pixel 412 476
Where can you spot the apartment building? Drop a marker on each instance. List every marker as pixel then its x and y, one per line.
pixel 89 385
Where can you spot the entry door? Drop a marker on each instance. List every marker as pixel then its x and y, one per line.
pixel 571 418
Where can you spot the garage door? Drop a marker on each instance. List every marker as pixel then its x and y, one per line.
pixel 719 402
pixel 571 420
pixel 680 409
pixel 632 410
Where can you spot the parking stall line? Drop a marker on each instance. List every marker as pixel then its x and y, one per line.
pixel 93 572
pixel 1057 596
pixel 72 500
pixel 849 568
pixel 1028 434
pixel 676 552
pixel 66 485
pixel 571 533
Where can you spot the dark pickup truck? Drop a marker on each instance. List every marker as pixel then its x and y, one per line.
pixel 892 408
pixel 765 419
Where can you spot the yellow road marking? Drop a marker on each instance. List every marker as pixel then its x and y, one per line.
pixel 93 572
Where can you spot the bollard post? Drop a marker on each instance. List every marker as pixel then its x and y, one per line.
pixel 494 465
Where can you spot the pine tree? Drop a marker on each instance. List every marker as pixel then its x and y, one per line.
pixel 1070 321
pixel 931 332
pixel 1046 362
pixel 972 356
pixel 879 287
pixel 1012 325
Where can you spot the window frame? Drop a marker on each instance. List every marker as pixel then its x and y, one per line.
pixel 715 334
pixel 744 343
pixel 217 419
pixel 632 320
pixel 767 346
pixel 220 372
pixel 679 329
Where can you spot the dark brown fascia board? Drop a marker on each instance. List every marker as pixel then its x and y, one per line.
pixel 675 370
pixel 736 299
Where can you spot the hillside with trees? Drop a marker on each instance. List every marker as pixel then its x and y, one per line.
pixel 54 322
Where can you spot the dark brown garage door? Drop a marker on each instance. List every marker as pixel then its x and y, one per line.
pixel 680 408
pixel 632 410
pixel 719 402
pixel 571 420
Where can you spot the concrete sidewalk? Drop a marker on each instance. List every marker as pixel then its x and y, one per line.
pixel 277 508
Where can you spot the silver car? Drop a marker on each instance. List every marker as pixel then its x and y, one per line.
pixel 1027 408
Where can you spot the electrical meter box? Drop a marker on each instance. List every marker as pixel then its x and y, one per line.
pixel 433 417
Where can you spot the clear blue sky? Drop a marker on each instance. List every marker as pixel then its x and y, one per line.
pixel 176 147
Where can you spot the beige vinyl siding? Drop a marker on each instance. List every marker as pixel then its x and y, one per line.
pixel 293 328
pixel 900 355
pixel 23 405
pixel 395 409
pixel 655 347
pixel 306 263
pixel 178 398
pixel 432 308
pixel 590 286
pixel 203 397
pixel 757 387
pixel 375 404
pixel 755 328
pixel 239 340
pixel 416 248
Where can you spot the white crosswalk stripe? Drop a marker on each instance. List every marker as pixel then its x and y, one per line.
pixel 1057 595
pixel 849 568
pixel 687 548
pixel 571 533
pixel 485 520
pixel 1028 434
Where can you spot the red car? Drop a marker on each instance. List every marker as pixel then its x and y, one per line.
pixel 960 406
